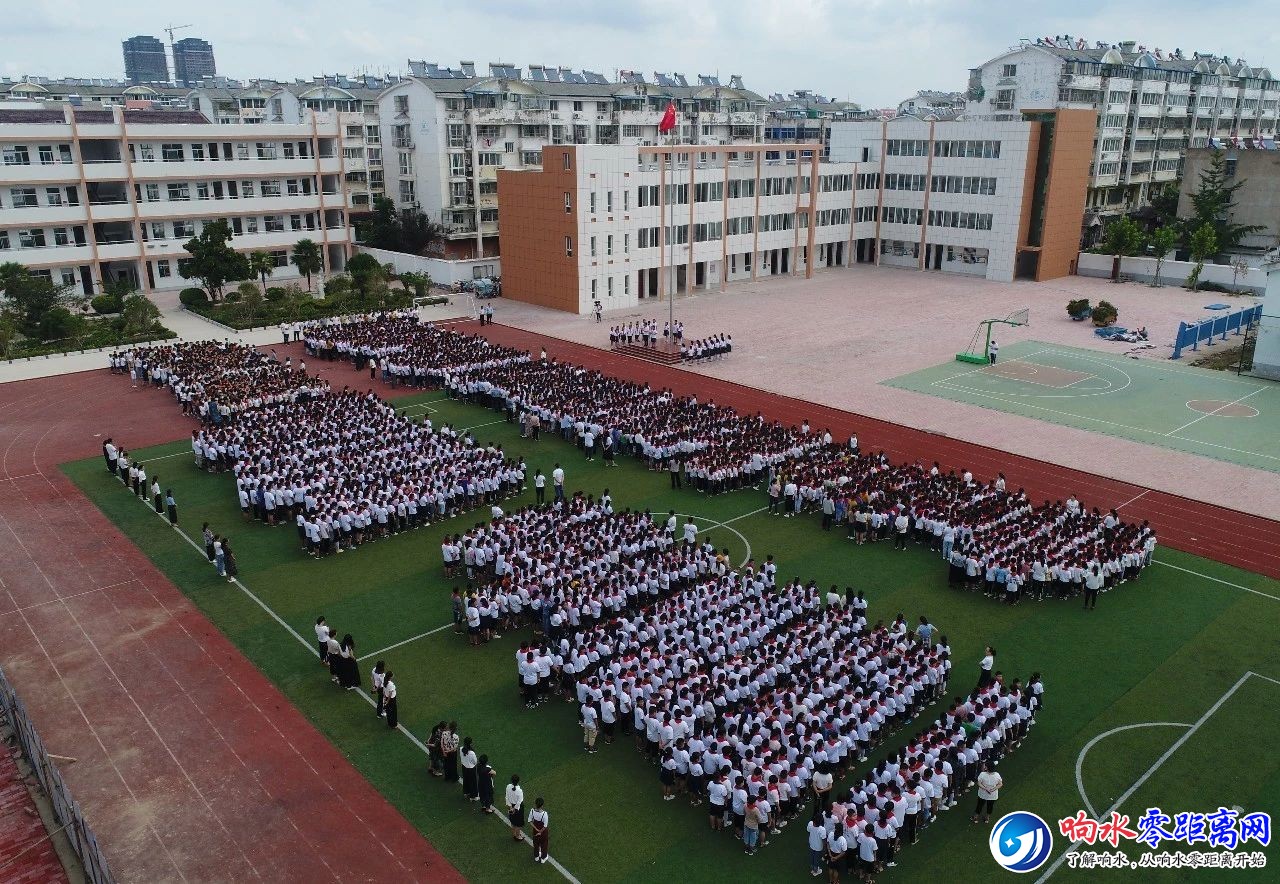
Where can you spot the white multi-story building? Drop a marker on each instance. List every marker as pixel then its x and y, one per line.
pixel 354 100
pixel 984 198
pixel 89 196
pixel 626 224
pixel 1151 106
pixel 447 132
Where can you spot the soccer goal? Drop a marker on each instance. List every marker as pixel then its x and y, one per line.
pixel 979 350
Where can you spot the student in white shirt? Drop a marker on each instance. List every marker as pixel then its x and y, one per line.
pixel 390 706
pixel 540 821
pixel 989 783
pixel 514 800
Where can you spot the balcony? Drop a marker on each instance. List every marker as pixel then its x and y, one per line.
pixel 112 249
pixel 20 173
pixel 404 143
pixel 22 216
pixel 51 255
pixel 637 117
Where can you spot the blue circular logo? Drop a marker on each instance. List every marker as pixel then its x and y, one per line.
pixel 1021 842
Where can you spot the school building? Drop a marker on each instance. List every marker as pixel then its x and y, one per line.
pixel 621 224
pixel 997 199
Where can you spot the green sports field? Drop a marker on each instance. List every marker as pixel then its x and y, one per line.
pixel 1173 647
pixel 1198 410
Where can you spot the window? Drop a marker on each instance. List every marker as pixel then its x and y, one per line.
pixel 4 240
pixel 568 203
pixel 608 245
pixel 1009 70
pixel 271 187
pixel 151 192
pixel 592 201
pixel 171 153
pixel 577 106
pixel 23 197
pixel 626 200
pixel 593 289
pixel 608 201
pixel 46 154
pixel 609 286
pixel 531 157
pixel 489 158
pixel 251 224
pixel 626 285
pixel 273 223
pixel 407 192
pixel 163 269
pixel 146 153
pixel 897 147
pixel 247 189
pixel 157 230
pixel 568 246
pixel 31 239
pixel 179 191
pixel 1004 99
pixel 708 192
pixel 197 151
pixel 568 162
pixel 60 237
pixel 626 244
pixel 16 155
pixel 184 229
pixel 202 190
pixel 593 246
pixel 53 196
pixel 68 276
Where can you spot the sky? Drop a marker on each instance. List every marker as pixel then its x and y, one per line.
pixel 875 52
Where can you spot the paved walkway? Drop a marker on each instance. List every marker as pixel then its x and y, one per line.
pixel 834 338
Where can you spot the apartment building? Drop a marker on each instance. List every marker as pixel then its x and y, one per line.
pixel 1151 106
pixel 447 132
pixel 355 101
pixel 997 199
pixel 627 224
pixel 193 61
pixel 145 60
pixel 1257 201
pixel 88 196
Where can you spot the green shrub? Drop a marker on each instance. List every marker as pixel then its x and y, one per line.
pixel 232 297
pixel 57 323
pixel 277 293
pixel 1078 307
pixel 193 297
pixel 104 304
pixel 1105 313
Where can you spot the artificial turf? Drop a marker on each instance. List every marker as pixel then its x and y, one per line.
pixel 1162 649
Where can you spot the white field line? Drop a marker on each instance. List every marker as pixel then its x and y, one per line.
pixel 1133 499
pixel 1215 411
pixel 1088 806
pixel 1217 580
pixel 311 647
pixel 406 641
pixel 1159 762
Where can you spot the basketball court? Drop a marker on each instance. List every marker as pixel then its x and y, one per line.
pixel 1211 413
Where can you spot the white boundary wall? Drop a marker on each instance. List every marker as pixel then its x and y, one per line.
pixel 1171 272
pixel 441 271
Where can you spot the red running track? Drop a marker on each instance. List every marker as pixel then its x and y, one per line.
pixel 190 765
pixel 1225 535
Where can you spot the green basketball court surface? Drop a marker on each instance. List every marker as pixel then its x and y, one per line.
pixel 1211 413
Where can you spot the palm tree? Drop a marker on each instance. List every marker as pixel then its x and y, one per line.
pixel 306 257
pixel 261 264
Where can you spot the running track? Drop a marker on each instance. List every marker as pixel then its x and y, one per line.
pixel 190 764
pixel 1235 538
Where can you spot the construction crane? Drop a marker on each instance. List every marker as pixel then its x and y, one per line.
pixel 169 30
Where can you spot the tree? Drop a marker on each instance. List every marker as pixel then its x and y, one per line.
pixel 1213 203
pixel 1204 244
pixel 250 297
pixel 213 261
pixel 1162 242
pixel 364 270
pixel 30 297
pixel 139 314
pixel 261 265
pixel 1122 237
pixel 409 230
pixel 419 282
pixel 1238 266
pixel 307 258
pixel 1164 205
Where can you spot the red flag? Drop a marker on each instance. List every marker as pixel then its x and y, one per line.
pixel 668 119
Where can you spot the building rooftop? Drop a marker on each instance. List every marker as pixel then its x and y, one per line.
pixel 551 80
pixel 1134 54
pixel 85 115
